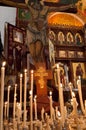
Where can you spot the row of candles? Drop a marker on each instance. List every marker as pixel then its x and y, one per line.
pixel 82 104
pixel 61 99
pixel 15 93
pixel 25 97
pixel 20 104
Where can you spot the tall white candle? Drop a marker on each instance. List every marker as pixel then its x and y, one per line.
pixel 5 110
pixel 85 106
pixel 55 79
pixel 70 87
pixel 80 94
pixel 51 104
pixel 18 111
pixel 2 94
pixel 42 114
pixel 58 75
pixel 31 101
pixel 61 99
pixel 74 104
pixel 56 110
pixel 25 95
pixel 8 97
pixel 21 76
pixel 31 111
pixel 62 104
pixel 14 104
pixel 35 106
pixel 32 81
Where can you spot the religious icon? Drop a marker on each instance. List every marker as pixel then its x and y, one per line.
pixel 17 36
pixel 71 54
pixel 62 75
pixel 62 53
pixel 61 38
pixel 78 39
pixel 69 37
pixel 79 70
pixel 80 54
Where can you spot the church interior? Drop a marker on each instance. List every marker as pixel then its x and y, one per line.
pixel 43 66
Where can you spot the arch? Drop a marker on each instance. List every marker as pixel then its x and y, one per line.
pixel 61 37
pixel 70 38
pixel 78 39
pixel 61 18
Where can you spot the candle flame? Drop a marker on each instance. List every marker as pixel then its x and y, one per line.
pixel 70 84
pixel 57 66
pixel 59 114
pixel 60 84
pixel 79 77
pixel 15 94
pixel 30 92
pixel 32 71
pixel 25 71
pixel 78 81
pixel 6 103
pixel 21 75
pixel 3 63
pixel 50 93
pixel 35 96
pixel 9 87
pixel 18 104
pixel 73 94
pixel 15 85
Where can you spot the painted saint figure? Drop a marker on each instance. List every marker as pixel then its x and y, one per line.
pixel 79 70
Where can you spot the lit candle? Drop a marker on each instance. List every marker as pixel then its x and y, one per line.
pixel 58 74
pixel 31 101
pixel 61 98
pixel 56 109
pixel 59 127
pixel 42 114
pixel 5 110
pixel 55 79
pixel 85 106
pixel 59 114
pixel 70 87
pixel 8 96
pixel 2 94
pixel 32 81
pixel 31 111
pixel 25 95
pixel 74 104
pixel 35 107
pixel 18 111
pixel 51 104
pixel 14 104
pixel 21 75
pixel 80 94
